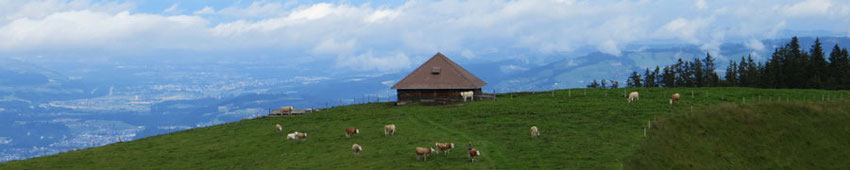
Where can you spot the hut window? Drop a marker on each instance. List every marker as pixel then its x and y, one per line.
pixel 435 70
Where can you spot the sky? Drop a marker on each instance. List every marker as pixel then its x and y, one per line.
pixel 388 36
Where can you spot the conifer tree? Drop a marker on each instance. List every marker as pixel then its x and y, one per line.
pixel 711 79
pixel 732 74
pixel 657 75
pixel 634 80
pixel 817 67
pixel 649 79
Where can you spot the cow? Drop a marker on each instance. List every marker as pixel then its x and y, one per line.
pixel 301 136
pixel 389 130
pixel 351 131
pixel 467 94
pixel 278 128
pixel 420 152
pixel 534 131
pixel 674 98
pixel 356 148
pixel 444 147
pixel 292 135
pixel 633 96
pixel 473 153
pixel 286 110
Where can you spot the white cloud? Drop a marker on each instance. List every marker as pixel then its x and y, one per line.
pixel 172 9
pixel 754 44
pixel 314 12
pixel 381 15
pixel 256 9
pixel 205 10
pixel 809 8
pixel 88 29
pixel 372 61
pixel 332 46
pixel 685 29
pixel 375 37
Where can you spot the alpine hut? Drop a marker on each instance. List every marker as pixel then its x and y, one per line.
pixel 439 78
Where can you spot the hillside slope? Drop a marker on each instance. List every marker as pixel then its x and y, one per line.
pixel 593 131
pixel 795 135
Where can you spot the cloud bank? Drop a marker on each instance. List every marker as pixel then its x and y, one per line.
pixel 384 37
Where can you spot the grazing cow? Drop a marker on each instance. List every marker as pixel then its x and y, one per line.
pixel 473 153
pixel 389 130
pixel 278 128
pixel 674 98
pixel 351 131
pixel 444 147
pixel 467 94
pixel 356 148
pixel 292 135
pixel 286 110
pixel 420 152
pixel 633 96
pixel 534 131
pixel 301 136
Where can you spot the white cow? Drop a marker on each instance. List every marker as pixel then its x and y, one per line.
pixel 633 96
pixel 534 131
pixel 356 148
pixel 467 94
pixel 292 136
pixel 389 130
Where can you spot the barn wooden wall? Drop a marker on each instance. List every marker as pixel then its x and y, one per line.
pixel 432 94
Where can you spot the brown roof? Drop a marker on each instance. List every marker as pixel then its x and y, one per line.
pixel 440 72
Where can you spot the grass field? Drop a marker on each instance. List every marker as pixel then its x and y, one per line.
pixel 788 135
pixel 599 130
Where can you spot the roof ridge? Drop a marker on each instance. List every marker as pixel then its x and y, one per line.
pixel 462 72
pixel 455 78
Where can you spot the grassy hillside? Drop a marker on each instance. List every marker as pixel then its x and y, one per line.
pixel 578 131
pixel 795 135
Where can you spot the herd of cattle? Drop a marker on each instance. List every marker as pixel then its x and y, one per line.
pixel 472 153
pixel 389 130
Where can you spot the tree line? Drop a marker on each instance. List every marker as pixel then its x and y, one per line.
pixel 788 67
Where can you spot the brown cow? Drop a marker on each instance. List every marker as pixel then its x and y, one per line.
pixel 301 136
pixel 674 98
pixel 444 147
pixel 351 131
pixel 474 153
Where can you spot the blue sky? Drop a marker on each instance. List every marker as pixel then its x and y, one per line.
pixel 396 35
